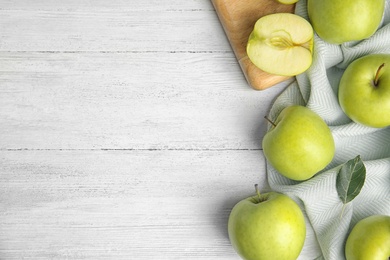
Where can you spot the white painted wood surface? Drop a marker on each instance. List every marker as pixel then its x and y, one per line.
pixel 127 130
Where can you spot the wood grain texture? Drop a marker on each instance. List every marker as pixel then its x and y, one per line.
pixel 111 26
pixel 128 101
pixel 238 19
pixel 127 130
pixel 122 204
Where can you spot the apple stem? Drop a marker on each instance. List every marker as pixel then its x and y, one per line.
pixel 258 192
pixel 377 75
pixel 269 120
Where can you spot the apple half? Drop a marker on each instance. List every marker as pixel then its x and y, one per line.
pixel 287 2
pixel 281 44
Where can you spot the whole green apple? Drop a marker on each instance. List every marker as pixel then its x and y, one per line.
pixel 299 144
pixel 337 21
pixel 364 90
pixel 269 226
pixel 369 239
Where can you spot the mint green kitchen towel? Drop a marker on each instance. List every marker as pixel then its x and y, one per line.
pixel 317 89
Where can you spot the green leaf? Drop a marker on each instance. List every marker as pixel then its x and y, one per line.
pixel 350 179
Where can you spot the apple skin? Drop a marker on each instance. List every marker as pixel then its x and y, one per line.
pixel 360 99
pixel 287 2
pixel 272 229
pixel 300 145
pixel 369 239
pixel 337 21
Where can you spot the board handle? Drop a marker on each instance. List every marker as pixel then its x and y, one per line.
pixel 238 18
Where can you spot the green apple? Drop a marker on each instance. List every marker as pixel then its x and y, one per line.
pixel 268 226
pixel 369 239
pixel 364 90
pixel 337 21
pixel 299 144
pixel 281 44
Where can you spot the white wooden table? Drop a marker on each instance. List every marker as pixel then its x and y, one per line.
pixel 127 130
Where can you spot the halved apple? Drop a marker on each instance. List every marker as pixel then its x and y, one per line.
pixel 287 2
pixel 281 44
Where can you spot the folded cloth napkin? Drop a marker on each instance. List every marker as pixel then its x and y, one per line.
pixel 327 228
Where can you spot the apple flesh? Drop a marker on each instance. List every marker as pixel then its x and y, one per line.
pixel 299 144
pixel 269 226
pixel 337 21
pixel 364 90
pixel 369 239
pixel 281 44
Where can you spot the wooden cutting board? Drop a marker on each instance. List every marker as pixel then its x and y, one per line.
pixel 238 18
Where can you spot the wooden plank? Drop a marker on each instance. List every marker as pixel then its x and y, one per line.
pixel 122 204
pixel 110 26
pixel 238 19
pixel 128 101
pixel 127 130
pixel 86 6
